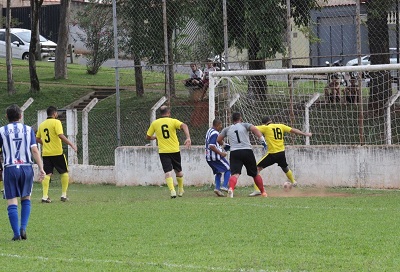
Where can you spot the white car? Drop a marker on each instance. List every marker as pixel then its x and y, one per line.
pixel 20 39
pixel 365 59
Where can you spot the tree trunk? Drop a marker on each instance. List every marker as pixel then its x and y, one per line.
pixel 10 82
pixel 60 65
pixel 35 10
pixel 378 37
pixel 138 76
pixel 257 84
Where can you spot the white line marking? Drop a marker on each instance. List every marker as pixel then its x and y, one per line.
pixel 85 260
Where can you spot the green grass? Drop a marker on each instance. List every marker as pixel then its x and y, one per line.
pixel 108 228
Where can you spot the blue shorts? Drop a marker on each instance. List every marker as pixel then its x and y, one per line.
pixel 220 166
pixel 18 181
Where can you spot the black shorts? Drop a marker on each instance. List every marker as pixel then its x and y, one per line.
pixel 270 159
pixel 58 162
pixel 171 161
pixel 241 157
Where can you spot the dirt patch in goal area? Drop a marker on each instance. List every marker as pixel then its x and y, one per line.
pixel 305 192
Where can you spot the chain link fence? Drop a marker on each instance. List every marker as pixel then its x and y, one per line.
pixel 159 39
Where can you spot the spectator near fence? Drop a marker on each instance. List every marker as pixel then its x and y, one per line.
pixel 351 92
pixel 206 77
pixel 195 79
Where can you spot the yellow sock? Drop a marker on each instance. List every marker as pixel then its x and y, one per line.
pixel 45 186
pixel 170 183
pixel 180 182
pixel 289 175
pixel 256 188
pixel 64 184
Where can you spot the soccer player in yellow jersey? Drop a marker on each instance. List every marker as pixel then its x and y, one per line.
pixel 164 131
pixel 274 136
pixel 51 135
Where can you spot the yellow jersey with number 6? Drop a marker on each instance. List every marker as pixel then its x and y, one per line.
pixel 273 134
pixel 165 130
pixel 48 132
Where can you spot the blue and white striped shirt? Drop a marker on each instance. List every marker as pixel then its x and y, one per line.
pixel 16 140
pixel 211 140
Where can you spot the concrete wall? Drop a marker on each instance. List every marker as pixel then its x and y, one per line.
pixel 350 166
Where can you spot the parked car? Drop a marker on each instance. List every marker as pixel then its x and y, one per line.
pixel 365 60
pixel 20 39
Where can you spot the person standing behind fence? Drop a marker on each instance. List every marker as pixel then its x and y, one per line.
pixel 241 151
pixel 18 145
pixel 274 135
pixel 51 135
pixel 206 76
pixel 216 157
pixel 165 129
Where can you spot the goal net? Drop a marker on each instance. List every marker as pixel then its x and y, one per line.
pixel 344 105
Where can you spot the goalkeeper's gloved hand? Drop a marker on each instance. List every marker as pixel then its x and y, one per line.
pixel 264 146
pixel 227 147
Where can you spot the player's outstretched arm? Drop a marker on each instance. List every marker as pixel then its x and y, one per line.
pixel 299 132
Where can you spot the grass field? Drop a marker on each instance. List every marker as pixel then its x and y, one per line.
pixel 108 228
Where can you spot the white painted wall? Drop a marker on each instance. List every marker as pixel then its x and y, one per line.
pixel 326 166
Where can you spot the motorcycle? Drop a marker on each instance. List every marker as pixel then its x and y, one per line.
pixel 341 76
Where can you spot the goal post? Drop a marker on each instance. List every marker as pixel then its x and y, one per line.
pixel 341 105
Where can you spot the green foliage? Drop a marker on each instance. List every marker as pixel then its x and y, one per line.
pixel 109 228
pixel 259 25
pixel 144 26
pixel 95 19
pixel 14 22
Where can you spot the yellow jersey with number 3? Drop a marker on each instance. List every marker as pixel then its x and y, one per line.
pixel 273 134
pixel 165 130
pixel 48 132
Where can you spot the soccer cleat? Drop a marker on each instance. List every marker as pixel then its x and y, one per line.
pixel 230 193
pixel 173 194
pixel 224 189
pixel 16 238
pixel 64 199
pixel 180 192
pixel 218 192
pixel 294 184
pixel 264 194
pixel 46 200
pixel 23 234
pixel 255 193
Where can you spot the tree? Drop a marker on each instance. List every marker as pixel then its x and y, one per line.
pixel 10 81
pixel 256 25
pixel 378 37
pixel 95 19
pixel 144 28
pixel 33 48
pixel 60 65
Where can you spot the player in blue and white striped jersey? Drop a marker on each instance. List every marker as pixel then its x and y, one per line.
pixel 18 144
pixel 216 158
